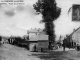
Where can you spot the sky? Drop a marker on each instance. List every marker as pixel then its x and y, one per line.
pixel 64 24
pixel 17 19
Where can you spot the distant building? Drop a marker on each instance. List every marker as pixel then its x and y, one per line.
pixel 4 39
pixel 73 39
pixel 75 36
pixel 38 39
pixel 35 32
pixel 25 37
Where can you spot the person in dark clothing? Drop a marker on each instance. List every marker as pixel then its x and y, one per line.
pixel 64 44
pixel 9 41
pixel 78 47
pixel 63 47
pixel 0 38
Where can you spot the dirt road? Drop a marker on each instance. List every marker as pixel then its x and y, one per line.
pixel 10 52
pixel 69 54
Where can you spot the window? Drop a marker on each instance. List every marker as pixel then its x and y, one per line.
pixel 76 12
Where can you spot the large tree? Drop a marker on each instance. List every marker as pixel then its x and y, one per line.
pixel 50 12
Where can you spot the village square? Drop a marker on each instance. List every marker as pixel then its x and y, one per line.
pixel 40 30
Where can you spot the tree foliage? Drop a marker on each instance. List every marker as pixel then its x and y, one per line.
pixel 50 12
pixel 48 9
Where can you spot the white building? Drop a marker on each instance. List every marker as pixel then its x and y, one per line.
pixel 33 33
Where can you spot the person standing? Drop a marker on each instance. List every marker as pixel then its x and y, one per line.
pixel 64 44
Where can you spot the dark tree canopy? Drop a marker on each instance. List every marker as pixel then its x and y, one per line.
pixel 50 31
pixel 50 12
pixel 48 9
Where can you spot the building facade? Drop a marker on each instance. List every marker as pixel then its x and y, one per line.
pixel 75 37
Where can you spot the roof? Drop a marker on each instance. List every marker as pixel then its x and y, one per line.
pixel 75 37
pixel 75 30
pixel 35 30
pixel 39 37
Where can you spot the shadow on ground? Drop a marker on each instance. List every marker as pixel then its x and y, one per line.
pixel 51 55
